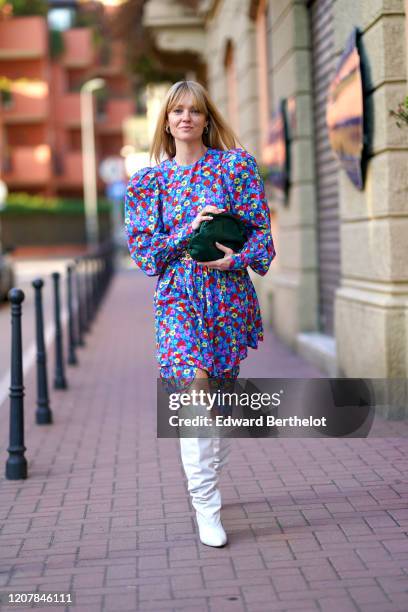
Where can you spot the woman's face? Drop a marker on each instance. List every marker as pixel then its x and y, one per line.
pixel 186 121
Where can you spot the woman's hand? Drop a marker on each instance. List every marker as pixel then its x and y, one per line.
pixel 202 216
pixel 222 264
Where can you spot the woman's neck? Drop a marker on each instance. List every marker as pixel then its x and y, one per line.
pixel 188 153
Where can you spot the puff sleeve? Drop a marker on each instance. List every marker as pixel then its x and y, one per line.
pixel 149 246
pixel 246 195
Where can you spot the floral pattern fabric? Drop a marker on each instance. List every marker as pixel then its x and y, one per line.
pixel 204 318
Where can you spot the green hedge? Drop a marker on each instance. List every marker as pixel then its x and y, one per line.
pixel 23 7
pixel 23 203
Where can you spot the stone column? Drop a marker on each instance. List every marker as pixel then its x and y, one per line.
pixel 295 295
pixel 372 302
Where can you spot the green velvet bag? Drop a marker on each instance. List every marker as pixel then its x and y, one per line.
pixel 225 228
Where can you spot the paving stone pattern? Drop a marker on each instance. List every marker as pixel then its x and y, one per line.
pixel 313 524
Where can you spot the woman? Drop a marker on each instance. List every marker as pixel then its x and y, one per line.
pixel 206 313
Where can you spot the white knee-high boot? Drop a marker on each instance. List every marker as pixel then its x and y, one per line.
pixel 197 455
pixel 222 447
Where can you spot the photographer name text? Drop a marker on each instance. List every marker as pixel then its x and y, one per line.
pixel 259 421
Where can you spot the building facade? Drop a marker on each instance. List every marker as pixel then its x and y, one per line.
pixel 338 289
pixel 40 122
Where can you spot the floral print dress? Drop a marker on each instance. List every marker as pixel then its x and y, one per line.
pixel 204 318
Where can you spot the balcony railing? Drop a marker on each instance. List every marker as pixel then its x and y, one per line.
pixel 23 38
pixel 71 173
pixel 116 111
pixel 175 26
pixel 69 110
pixel 78 48
pixel 28 166
pixel 111 60
pixel 28 103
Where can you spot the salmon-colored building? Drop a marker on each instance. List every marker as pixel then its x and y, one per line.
pixel 40 128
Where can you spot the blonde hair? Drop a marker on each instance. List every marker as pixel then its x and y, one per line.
pixel 219 135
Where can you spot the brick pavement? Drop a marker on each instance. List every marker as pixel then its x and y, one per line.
pixel 318 524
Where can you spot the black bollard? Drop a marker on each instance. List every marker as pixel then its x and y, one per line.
pixel 59 380
pixel 105 270
pixel 79 303
pixel 87 305
pixel 91 303
pixel 16 465
pixel 43 415
pixel 97 292
pixel 102 275
pixel 95 283
pixel 105 273
pixel 92 286
pixel 72 359
pixel 100 280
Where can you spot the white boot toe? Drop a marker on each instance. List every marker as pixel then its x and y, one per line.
pixel 211 531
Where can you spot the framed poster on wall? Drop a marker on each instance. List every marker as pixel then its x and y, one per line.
pixel 345 112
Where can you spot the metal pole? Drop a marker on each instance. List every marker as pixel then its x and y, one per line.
pixel 3 197
pixel 89 167
pixel 89 159
pixel 79 303
pixel 16 465
pixel 59 380
pixel 72 359
pixel 86 310
pixel 43 414
pixel 94 263
pixel 90 304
